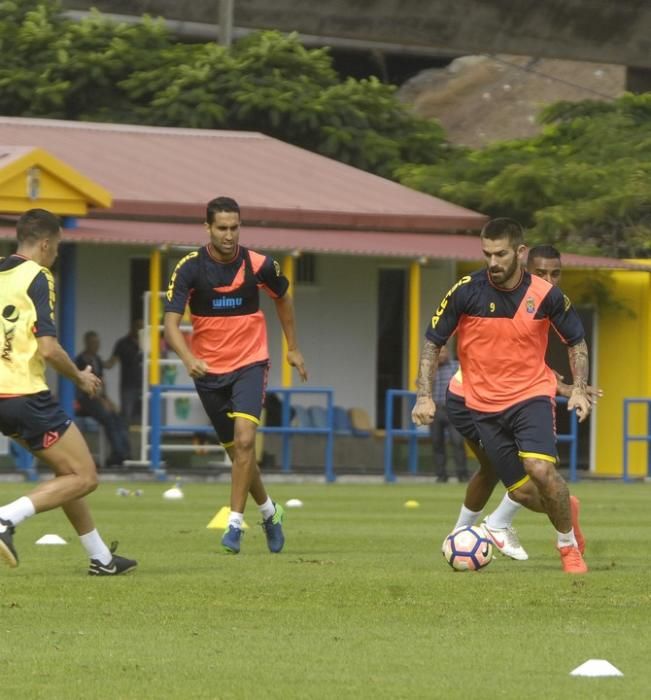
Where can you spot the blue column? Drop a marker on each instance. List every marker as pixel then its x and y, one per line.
pixel 67 309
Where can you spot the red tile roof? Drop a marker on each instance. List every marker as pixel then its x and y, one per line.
pixel 400 244
pixel 172 173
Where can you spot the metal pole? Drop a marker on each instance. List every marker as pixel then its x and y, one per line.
pixel 389 476
pixel 67 312
pixel 289 267
pixel 415 330
pixel 225 36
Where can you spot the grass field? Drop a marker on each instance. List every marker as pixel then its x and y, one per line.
pixel 360 605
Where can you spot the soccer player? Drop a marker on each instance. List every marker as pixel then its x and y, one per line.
pixel 502 316
pixel 545 262
pixel 228 358
pixel 28 412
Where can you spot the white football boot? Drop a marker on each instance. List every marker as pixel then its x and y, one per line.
pixel 506 540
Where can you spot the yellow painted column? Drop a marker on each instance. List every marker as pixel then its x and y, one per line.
pixel 154 316
pixel 415 331
pixel 289 266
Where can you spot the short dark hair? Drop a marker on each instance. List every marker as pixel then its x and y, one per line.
pixel 504 228
pixel 543 251
pixel 218 204
pixel 36 224
pixel 90 334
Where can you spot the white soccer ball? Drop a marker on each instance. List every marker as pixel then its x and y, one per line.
pixel 468 549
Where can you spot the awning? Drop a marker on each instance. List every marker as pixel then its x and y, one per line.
pixel 324 241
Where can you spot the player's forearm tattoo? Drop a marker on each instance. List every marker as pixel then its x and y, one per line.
pixel 429 362
pixel 578 355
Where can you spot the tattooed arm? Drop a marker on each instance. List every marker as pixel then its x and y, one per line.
pixel 425 408
pixel 579 398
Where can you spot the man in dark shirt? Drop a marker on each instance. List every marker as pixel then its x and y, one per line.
pixel 441 424
pixel 128 353
pixel 100 407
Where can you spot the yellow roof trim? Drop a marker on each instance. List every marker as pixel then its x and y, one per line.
pixel 32 177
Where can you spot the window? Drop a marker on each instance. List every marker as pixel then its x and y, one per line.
pixel 306 269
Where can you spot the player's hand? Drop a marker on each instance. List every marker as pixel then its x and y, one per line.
pixel 579 402
pixel 594 393
pixel 423 411
pixel 196 367
pixel 89 382
pixel 295 359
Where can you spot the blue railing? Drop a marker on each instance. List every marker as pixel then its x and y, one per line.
pixel 413 433
pixel 636 438
pixel 286 430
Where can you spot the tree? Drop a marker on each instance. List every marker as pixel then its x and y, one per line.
pixel 97 69
pixel 584 182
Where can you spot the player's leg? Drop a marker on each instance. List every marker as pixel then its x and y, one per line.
pixel 47 431
pixel 458 451
pixel 533 425
pixel 247 402
pixel 499 523
pixel 70 456
pixel 215 396
pixel 483 481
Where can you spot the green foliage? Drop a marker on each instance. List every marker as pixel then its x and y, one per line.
pixel 584 183
pixel 96 69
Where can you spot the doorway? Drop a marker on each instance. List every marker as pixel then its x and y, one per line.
pixel 392 289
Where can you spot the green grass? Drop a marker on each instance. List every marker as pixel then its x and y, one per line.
pixel 360 605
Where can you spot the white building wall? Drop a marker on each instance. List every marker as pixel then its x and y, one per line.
pixel 337 330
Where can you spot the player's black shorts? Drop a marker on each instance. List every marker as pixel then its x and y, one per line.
pixel 527 428
pixel 460 416
pixel 226 397
pixel 36 419
pixel 509 469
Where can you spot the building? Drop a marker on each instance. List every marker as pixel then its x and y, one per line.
pixel 370 258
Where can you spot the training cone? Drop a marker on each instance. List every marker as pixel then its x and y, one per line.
pixel 596 667
pixel 220 521
pixel 51 539
pixel 173 494
pixel 412 504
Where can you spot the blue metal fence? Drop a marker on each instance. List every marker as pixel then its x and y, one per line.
pixel 627 437
pixel 413 433
pixel 286 430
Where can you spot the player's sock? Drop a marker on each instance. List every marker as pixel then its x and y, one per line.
pixel 236 520
pixel 95 547
pixel 466 517
pixel 17 510
pixel 267 509
pixel 566 539
pixel 503 515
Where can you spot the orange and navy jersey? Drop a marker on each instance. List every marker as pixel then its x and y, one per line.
pixel 455 385
pixel 229 330
pixel 27 301
pixel 502 337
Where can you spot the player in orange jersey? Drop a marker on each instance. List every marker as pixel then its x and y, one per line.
pixel 502 317
pixel 228 358
pixel 543 261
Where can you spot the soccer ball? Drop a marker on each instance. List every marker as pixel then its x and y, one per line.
pixel 468 549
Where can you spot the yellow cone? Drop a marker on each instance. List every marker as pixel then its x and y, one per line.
pixel 412 504
pixel 220 521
